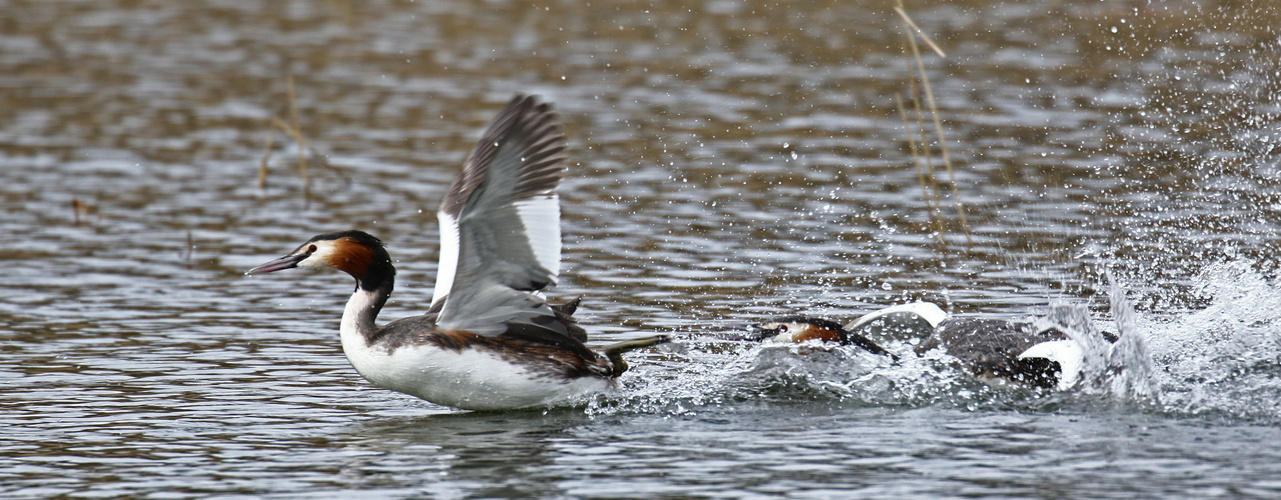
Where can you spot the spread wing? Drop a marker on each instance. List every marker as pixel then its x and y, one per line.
pixel 500 229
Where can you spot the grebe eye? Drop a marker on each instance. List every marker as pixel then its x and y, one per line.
pixel 782 328
pixel 311 249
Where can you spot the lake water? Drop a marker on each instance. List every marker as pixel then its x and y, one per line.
pixel 732 161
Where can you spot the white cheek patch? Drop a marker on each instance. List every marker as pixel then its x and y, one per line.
pixel 318 258
pixel 792 332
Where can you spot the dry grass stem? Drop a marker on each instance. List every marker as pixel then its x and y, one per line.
pixel 294 131
pixel 912 48
pixel 298 137
pixel 931 175
pixel 918 142
pixel 935 217
pixel 79 210
pixel 920 33
pixel 266 155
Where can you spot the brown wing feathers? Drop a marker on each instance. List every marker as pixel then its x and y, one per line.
pixel 541 162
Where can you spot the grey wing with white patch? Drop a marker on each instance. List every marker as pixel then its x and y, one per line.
pixel 500 228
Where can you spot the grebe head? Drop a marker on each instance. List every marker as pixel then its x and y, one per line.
pixel 797 329
pixel 354 252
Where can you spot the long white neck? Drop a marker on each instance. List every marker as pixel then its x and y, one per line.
pixel 362 309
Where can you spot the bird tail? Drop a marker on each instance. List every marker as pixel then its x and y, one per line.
pixel 615 351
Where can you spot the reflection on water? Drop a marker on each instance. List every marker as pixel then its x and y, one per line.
pixel 734 160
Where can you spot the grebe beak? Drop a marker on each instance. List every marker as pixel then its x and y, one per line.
pixel 286 262
pixel 754 333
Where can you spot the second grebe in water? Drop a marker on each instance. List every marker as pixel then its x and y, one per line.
pixel 490 340
pixel 991 350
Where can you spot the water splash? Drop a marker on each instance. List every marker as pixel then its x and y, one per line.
pixel 699 372
pixel 713 373
pixel 1120 370
pixel 1129 364
pixel 1224 359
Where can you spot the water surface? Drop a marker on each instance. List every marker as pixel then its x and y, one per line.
pixel 732 161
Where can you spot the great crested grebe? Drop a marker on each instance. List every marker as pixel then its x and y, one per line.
pixel 490 340
pixel 991 350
